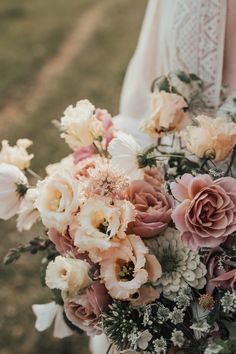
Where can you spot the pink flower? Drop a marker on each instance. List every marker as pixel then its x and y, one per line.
pixel 154 176
pixel 108 127
pixel 125 268
pixel 85 310
pixel 206 215
pixel 83 153
pixel 213 267
pixel 153 208
pixel 145 295
pixel 63 241
pixel 226 280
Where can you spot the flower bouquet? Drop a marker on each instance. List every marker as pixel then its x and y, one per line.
pixel 139 240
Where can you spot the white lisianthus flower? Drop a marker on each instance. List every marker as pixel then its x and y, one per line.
pixel 13 186
pixel 100 222
pixel 68 274
pixel 79 125
pixel 59 197
pixel 124 151
pixel 16 155
pixel 46 314
pixel 27 214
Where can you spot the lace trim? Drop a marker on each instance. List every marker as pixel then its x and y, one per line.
pixel 201 22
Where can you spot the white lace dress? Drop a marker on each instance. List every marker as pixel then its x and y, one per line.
pixel 176 34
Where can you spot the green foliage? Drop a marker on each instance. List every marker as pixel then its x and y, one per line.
pixel 38 244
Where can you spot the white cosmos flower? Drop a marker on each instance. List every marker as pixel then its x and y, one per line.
pixel 68 274
pixel 124 151
pixel 46 314
pixel 16 155
pixel 13 185
pixel 59 197
pixel 79 125
pixel 100 222
pixel 27 214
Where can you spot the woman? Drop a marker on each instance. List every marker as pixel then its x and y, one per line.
pixel 193 35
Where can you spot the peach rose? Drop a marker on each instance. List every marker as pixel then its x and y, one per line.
pixel 168 114
pixel 213 138
pixel 126 268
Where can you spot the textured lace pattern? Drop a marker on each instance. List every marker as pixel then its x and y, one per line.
pixel 201 22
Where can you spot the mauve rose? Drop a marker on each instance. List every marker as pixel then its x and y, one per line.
pixel 154 176
pixel 226 280
pixel 206 215
pixel 213 268
pixel 62 241
pixel 153 206
pixel 85 310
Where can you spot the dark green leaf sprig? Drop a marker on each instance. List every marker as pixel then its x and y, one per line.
pixel 38 244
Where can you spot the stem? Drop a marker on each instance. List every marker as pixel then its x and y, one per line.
pixel 109 348
pixel 99 151
pixel 32 173
pixel 231 161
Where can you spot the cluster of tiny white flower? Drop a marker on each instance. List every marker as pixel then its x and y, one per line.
pixel 228 302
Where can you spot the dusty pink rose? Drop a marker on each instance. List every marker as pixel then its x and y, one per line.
pixel 83 153
pixel 153 206
pixel 154 176
pixel 213 269
pixel 85 310
pixel 206 215
pixel 62 241
pixel 226 280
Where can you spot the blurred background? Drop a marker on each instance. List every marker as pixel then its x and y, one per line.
pixel 52 53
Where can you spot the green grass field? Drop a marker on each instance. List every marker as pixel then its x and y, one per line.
pixel 31 32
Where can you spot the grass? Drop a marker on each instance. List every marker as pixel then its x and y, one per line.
pixel 96 74
pixel 30 32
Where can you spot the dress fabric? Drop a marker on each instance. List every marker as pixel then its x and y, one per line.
pixel 176 34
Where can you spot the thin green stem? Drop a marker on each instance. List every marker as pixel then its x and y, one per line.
pixel 32 173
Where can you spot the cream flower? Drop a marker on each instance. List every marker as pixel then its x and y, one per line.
pixel 27 214
pixel 59 197
pixel 68 274
pixel 168 114
pixel 67 163
pixel 124 269
pixel 180 266
pixel 13 185
pixel 101 224
pixel 213 138
pixel 124 151
pixel 16 155
pixel 79 125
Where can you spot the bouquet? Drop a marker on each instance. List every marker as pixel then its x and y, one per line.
pixel 140 241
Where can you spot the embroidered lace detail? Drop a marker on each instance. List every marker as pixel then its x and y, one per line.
pixel 201 22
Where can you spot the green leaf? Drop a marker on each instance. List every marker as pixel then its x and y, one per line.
pixel 231 327
pixel 162 83
pixel 183 77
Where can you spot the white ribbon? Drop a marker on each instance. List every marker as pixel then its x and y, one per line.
pixel 46 314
